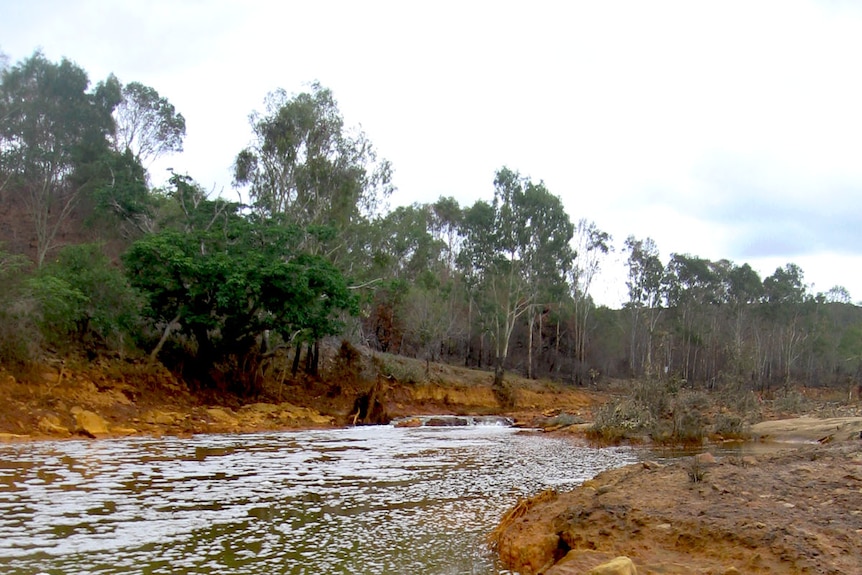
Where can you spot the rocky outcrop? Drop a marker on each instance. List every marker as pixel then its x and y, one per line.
pixel 52 425
pixel 89 423
pixel 782 513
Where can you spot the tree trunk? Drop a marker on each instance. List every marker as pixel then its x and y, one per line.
pixel 296 359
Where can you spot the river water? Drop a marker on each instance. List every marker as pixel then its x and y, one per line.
pixel 365 500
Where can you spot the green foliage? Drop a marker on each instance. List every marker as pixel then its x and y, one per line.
pixel 53 131
pixel 225 286
pixel 305 166
pixel 19 336
pixel 83 299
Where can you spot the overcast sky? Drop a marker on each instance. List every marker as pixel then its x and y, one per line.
pixel 720 129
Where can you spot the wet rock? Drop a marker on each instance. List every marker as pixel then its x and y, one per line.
pixel 123 431
pixel 90 423
pixel 51 425
pixel 444 421
pixel 409 422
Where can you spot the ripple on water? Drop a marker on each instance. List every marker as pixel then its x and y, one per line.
pixel 375 500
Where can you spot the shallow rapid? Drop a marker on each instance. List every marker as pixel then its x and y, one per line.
pixel 366 500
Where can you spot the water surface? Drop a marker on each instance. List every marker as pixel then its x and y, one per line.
pixel 369 500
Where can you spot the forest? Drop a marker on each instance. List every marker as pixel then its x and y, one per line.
pixel 99 259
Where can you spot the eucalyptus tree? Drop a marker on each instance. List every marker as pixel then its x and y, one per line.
pixel 744 291
pixel 785 296
pixel 306 168
pixel 591 245
pixel 645 274
pixel 54 130
pixel 692 290
pixel 514 248
pixel 147 124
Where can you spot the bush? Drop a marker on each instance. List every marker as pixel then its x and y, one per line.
pixel 19 336
pixel 620 420
pixel 83 300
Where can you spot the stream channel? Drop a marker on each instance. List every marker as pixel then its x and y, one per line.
pixel 364 500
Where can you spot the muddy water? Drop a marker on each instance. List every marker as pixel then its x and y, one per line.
pixel 372 500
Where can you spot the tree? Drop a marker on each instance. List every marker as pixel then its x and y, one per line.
pixel 513 247
pixel 838 294
pixel 147 124
pixel 306 167
pixel 86 300
pixel 785 293
pixel 228 281
pixel 53 129
pixel 591 245
pixel 645 294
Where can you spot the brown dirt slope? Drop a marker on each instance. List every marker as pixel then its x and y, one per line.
pixel 796 511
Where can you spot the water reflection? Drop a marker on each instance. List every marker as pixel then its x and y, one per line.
pixel 375 500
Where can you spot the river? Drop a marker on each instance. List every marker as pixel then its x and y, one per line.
pixel 366 500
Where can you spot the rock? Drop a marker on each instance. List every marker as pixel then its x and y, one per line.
pixel 410 422
pixel 618 566
pixel 12 436
pixel 90 423
pixel 749 461
pixel 651 465
pixel 706 457
pixel 579 561
pixel 220 415
pixel 51 425
pixel 162 417
pixel 124 431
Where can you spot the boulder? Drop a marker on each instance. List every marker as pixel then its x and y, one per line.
pixel 580 561
pixel 618 566
pixel 90 423
pixel 51 425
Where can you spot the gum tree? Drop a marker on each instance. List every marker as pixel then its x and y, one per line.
pixel 54 130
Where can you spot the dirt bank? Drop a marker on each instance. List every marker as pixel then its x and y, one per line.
pixel 119 398
pixel 796 511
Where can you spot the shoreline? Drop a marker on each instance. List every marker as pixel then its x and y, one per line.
pixel 796 510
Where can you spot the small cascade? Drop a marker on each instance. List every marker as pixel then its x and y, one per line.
pixel 452 421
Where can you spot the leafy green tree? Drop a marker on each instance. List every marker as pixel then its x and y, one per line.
pixel 225 286
pixel 306 167
pixel 53 128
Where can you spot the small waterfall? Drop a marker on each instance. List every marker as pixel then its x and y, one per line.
pixel 452 421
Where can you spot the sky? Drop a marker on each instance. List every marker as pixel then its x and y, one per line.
pixel 720 129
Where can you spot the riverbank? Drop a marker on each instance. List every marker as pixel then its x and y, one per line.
pixel 121 398
pixel 798 510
